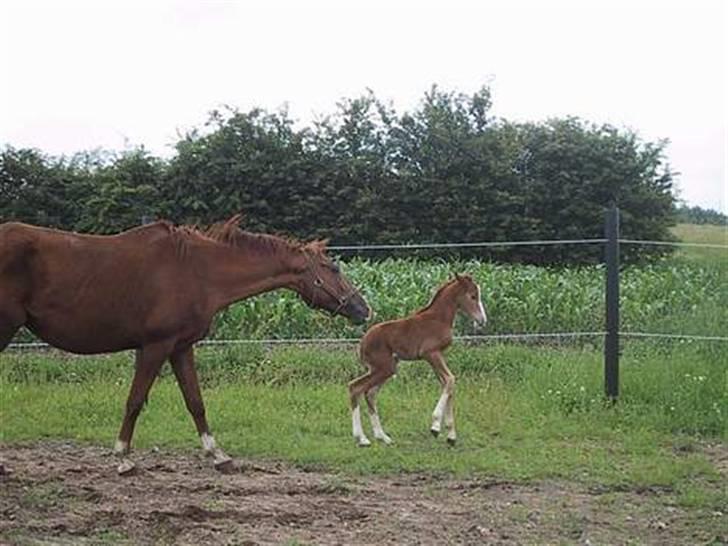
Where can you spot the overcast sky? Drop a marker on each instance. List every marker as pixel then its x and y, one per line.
pixel 77 75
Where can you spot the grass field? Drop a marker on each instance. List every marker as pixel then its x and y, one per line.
pixel 524 413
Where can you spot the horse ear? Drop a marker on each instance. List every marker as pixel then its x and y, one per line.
pixel 235 219
pixel 318 246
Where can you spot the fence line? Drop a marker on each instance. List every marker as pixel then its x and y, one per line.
pixel 672 243
pixel 345 340
pixel 482 244
pixel 673 336
pixel 479 337
pixel 495 244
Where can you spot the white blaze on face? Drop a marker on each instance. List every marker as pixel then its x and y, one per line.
pixel 481 318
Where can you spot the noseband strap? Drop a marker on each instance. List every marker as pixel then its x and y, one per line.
pixel 320 284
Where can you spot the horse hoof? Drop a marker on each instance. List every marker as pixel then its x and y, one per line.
pixel 451 441
pixel 224 464
pixel 363 442
pixel 434 432
pixel 126 468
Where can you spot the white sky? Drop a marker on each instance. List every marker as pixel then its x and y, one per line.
pixel 77 75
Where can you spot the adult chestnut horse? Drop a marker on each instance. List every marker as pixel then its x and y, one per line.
pixel 155 289
pixel 425 335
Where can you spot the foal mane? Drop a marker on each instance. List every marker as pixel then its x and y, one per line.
pixel 439 293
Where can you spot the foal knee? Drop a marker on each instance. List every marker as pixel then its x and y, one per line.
pixel 450 385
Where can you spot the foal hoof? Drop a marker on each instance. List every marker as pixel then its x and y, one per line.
pixel 451 441
pixel 126 468
pixel 435 433
pixel 363 442
pixel 224 464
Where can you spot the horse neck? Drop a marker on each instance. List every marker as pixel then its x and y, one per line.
pixel 444 307
pixel 233 274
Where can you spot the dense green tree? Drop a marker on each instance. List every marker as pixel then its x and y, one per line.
pixel 699 215
pixel 445 171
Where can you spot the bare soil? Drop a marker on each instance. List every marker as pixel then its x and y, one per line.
pixel 62 493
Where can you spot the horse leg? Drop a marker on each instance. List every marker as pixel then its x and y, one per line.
pixel 149 360
pixel 183 365
pixel 447 380
pixel 11 319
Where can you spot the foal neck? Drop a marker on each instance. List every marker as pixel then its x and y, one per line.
pixel 444 305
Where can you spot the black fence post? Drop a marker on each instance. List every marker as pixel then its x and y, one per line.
pixel 611 342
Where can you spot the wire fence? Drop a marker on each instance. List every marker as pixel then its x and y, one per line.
pixel 471 338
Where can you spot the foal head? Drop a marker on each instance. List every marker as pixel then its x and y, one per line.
pixel 322 285
pixel 468 298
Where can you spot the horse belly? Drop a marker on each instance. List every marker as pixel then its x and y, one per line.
pixel 77 335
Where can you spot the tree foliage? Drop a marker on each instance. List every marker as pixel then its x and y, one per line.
pixel 699 215
pixel 446 171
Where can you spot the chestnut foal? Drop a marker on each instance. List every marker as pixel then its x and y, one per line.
pixel 422 335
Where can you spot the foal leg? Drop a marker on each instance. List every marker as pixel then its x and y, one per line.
pixel 377 429
pixel 149 360
pixel 381 367
pixel 183 365
pixel 356 388
pixel 445 403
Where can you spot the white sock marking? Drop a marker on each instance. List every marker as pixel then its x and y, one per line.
pixel 120 448
pixel 356 427
pixel 377 429
pixel 483 319
pixel 439 412
pixel 208 442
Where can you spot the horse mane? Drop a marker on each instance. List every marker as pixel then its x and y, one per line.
pixel 230 234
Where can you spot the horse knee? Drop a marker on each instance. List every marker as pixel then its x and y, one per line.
pixel 134 408
pixel 196 409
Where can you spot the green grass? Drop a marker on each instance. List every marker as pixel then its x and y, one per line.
pixel 703 234
pixel 523 413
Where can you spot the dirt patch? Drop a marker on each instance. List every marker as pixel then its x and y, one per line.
pixel 61 493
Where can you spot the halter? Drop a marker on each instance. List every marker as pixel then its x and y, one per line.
pixel 320 284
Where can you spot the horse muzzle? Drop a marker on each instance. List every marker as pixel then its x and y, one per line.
pixel 357 312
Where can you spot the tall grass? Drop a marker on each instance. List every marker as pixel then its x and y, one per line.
pixel 673 295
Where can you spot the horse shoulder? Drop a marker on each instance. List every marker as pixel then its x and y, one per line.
pixel 17 243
